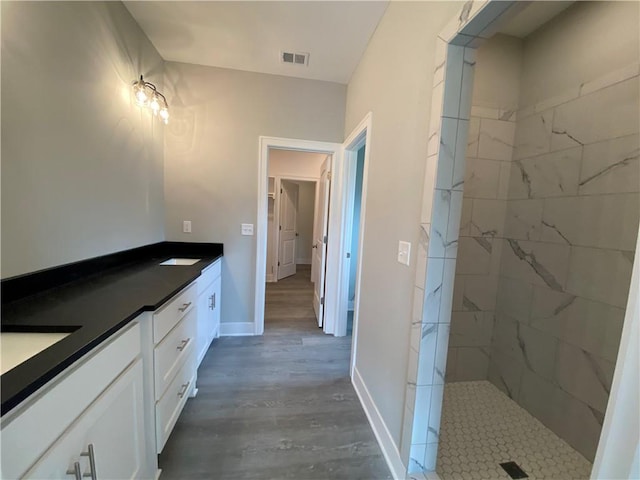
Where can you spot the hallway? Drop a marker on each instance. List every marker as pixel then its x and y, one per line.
pixel 276 406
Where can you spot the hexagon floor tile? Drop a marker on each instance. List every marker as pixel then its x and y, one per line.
pixel 481 427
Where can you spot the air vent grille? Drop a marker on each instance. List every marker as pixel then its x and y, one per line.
pixel 295 58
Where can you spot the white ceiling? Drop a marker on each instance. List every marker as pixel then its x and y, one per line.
pixel 532 17
pixel 250 35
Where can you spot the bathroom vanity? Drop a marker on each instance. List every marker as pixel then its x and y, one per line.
pixel 113 349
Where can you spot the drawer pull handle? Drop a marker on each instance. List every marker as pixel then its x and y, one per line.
pixel 183 390
pixel 76 471
pixel 92 462
pixel 212 302
pixel 184 306
pixel 183 344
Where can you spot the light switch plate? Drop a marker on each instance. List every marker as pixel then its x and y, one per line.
pixel 247 229
pixel 186 226
pixel 404 252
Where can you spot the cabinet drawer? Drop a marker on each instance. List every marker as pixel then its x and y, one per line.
pixel 169 407
pixel 169 315
pixel 209 275
pixel 170 354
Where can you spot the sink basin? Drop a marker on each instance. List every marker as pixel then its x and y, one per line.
pixel 180 261
pixel 17 347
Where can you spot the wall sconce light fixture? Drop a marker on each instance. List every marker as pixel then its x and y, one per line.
pixel 147 95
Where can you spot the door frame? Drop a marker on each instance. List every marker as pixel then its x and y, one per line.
pixel 360 136
pixel 276 210
pixel 265 144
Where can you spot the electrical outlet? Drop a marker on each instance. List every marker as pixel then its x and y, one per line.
pixel 247 229
pixel 186 226
pixel 404 252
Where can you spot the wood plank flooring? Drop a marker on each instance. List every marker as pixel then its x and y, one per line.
pixel 278 406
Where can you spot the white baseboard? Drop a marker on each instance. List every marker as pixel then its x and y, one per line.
pixel 235 329
pixel 271 277
pixel 303 261
pixel 385 440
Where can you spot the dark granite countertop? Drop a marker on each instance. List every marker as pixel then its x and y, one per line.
pixel 93 299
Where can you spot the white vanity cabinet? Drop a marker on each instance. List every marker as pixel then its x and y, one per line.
pixel 109 414
pixel 91 415
pixel 209 296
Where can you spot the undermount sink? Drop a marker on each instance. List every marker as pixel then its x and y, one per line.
pixel 180 261
pixel 18 347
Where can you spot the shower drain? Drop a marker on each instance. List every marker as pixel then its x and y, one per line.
pixel 514 470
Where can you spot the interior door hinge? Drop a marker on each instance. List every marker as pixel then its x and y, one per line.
pixel 348 255
pixel 280 227
pixel 280 190
pixel 328 175
pixel 325 239
pixel 322 301
pixel 278 263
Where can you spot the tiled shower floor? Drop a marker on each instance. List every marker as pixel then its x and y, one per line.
pixel 481 428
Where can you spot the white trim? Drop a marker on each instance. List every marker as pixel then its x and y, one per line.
pixel 236 329
pixel 271 278
pixel 385 440
pixel 265 143
pixel 617 453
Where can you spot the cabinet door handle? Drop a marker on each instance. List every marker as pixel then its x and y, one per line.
pixel 76 472
pixel 183 390
pixel 212 302
pixel 184 306
pixel 183 344
pixel 92 462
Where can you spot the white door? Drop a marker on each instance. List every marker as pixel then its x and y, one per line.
pixel 320 242
pixel 288 229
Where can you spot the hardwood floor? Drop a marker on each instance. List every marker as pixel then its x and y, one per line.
pixel 278 406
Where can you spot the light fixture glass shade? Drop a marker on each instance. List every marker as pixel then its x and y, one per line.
pixel 148 96
pixel 141 97
pixel 164 114
pixel 154 105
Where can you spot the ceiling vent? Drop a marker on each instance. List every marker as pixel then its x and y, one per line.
pixel 296 58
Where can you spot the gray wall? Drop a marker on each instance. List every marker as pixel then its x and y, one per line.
pixel 82 165
pixel 211 157
pixel 393 81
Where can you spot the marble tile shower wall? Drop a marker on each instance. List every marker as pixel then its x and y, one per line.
pixel 486 180
pixel 437 250
pixel 570 226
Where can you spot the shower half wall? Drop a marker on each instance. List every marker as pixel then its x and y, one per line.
pixel 550 216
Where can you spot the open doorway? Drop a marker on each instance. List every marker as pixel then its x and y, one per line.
pixel 292 212
pixel 297 232
pixel 336 249
pixel 355 237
